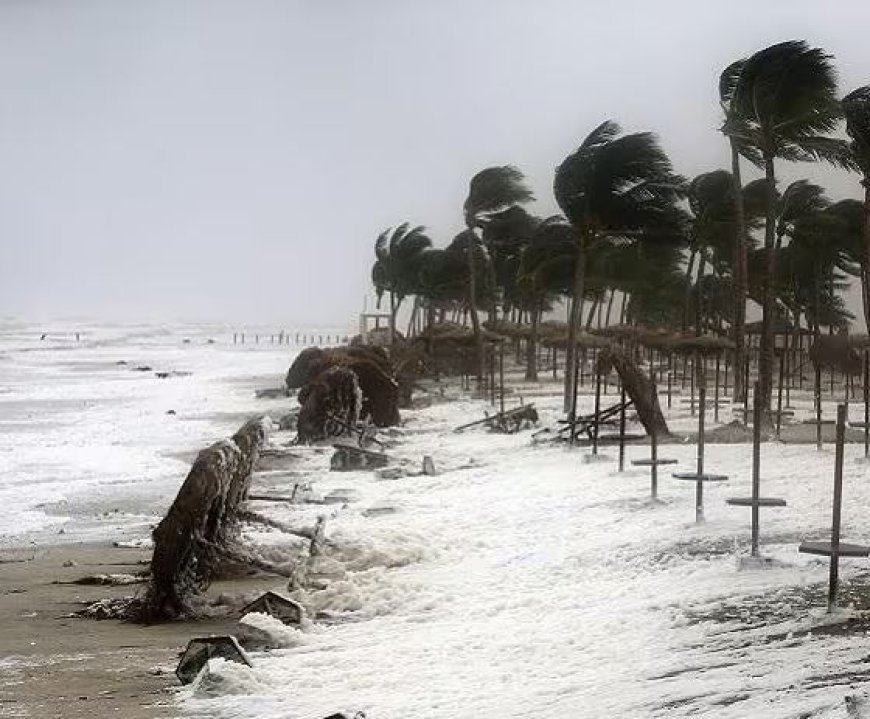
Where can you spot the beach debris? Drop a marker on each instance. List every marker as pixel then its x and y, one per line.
pixel 391 473
pixel 201 527
pixel 143 368
pixel 378 510
pixel 429 466
pixel 200 650
pixel 378 387
pixel 510 421
pixel 330 405
pixel 270 393
pixel 348 458
pixel 172 373
pixel 107 580
pixel 277 605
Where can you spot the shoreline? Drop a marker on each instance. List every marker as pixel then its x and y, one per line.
pixel 53 664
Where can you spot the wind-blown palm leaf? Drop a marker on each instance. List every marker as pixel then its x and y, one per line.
pixel 785 101
pixel 495 189
pixel 856 107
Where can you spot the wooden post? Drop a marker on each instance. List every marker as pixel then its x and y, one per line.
pixel 746 387
pixel 716 391
pixel 670 377
pixel 573 417
pixel 654 472
pixel 501 379
pixel 756 464
pixel 727 363
pixel 622 430
pixel 779 396
pixel 866 404
pixel 699 485
pixel 818 407
pixel 492 376
pixel 692 384
pixel 838 502
pixel 597 411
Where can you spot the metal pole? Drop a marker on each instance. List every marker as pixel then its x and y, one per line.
pixel 838 502
pixel 756 464
pixel 699 485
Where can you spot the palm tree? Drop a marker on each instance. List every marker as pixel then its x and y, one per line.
pixel 541 276
pixel 613 187
pixel 735 129
pixel 492 190
pixel 856 107
pixel 397 265
pixel 783 103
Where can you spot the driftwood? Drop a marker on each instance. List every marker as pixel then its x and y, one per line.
pixel 638 387
pixel 511 420
pixel 348 458
pixel 200 525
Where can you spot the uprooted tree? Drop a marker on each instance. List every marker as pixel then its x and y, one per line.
pixel 326 391
pixel 638 387
pixel 200 528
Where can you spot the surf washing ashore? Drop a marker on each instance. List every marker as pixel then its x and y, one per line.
pixel 511 576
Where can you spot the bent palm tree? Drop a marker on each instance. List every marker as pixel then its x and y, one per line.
pixel 856 107
pixel 492 190
pixel 397 265
pixel 613 187
pixel 784 104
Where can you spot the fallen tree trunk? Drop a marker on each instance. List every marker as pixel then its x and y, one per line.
pixel 638 387
pixel 201 522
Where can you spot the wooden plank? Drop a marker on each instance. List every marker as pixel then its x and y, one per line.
pixel 695 477
pixel 759 502
pixel 824 549
pixel 650 462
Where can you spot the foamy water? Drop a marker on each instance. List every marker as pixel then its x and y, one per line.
pixel 90 446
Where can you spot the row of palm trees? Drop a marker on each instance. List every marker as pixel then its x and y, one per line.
pixel 678 253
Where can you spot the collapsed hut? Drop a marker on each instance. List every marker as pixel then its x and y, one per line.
pixel 340 386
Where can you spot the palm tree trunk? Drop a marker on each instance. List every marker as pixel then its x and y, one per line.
pixel 739 269
pixel 574 320
pixel 393 310
pixel 865 269
pixel 690 268
pixel 590 318
pixel 475 320
pixel 699 299
pixel 609 308
pixel 532 346
pixel 765 357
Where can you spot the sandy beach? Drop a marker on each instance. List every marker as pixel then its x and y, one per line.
pixel 58 665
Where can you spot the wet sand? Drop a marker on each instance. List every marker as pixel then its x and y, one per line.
pixel 54 665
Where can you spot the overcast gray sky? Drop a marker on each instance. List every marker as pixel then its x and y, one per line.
pixel 235 160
